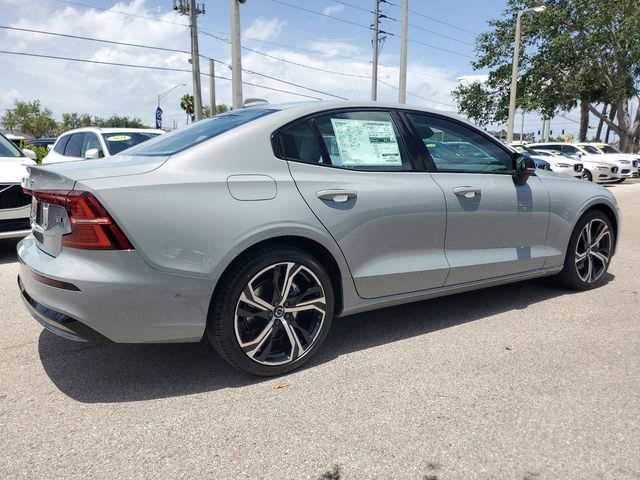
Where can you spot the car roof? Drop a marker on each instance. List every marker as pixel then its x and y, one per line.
pixel 112 130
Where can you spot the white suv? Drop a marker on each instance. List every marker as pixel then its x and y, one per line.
pixel 611 168
pixel 91 143
pixel 625 159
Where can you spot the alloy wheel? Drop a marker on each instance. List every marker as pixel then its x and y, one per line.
pixel 280 313
pixel 593 251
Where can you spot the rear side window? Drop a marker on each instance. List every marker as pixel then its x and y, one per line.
pixel 363 141
pixel 74 146
pixel 184 138
pixel 62 143
pixel 299 143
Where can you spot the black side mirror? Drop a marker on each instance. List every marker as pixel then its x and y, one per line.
pixel 523 168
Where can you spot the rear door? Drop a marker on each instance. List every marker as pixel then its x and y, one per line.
pixel 356 172
pixel 494 227
pixel 73 149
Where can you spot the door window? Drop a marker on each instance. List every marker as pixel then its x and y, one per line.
pixel 61 144
pixel 74 146
pixel 300 143
pixel 454 147
pixel 363 141
pixel 570 149
pixel 91 141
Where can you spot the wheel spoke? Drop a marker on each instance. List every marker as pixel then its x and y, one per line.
pixel 308 292
pixel 250 348
pixel 243 312
pixel 589 269
pixel 580 257
pixel 587 234
pixel 292 270
pixel 296 346
pixel 250 297
pixel 315 304
pixel 305 334
pixel 603 233
pixel 601 257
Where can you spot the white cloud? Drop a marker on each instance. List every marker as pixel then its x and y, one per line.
pixel 331 9
pixel 481 77
pixel 263 29
pixel 9 97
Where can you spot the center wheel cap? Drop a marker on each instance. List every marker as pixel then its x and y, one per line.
pixel 279 311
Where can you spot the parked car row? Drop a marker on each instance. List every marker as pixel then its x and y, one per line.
pixel 256 228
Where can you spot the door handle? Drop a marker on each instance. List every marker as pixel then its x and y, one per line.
pixel 339 196
pixel 467 192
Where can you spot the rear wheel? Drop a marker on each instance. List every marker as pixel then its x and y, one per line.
pixel 589 252
pixel 586 175
pixel 620 181
pixel 273 311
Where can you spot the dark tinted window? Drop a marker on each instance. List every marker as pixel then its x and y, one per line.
pixel 8 149
pixel 117 142
pixel 363 141
pixel 74 146
pixel 570 149
pixel 62 143
pixel 299 143
pixel 591 149
pixel 454 147
pixel 199 132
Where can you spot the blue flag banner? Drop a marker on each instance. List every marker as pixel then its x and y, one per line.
pixel 158 117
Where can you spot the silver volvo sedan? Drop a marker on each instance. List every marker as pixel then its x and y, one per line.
pixel 258 227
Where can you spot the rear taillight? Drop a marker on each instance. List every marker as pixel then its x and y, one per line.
pixel 91 225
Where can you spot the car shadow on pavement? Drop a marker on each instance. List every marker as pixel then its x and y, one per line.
pixel 132 372
pixel 8 250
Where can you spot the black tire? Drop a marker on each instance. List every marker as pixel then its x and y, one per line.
pixel 574 272
pixel 620 181
pixel 221 328
pixel 586 176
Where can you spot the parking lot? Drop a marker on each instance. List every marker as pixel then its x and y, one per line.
pixel 523 381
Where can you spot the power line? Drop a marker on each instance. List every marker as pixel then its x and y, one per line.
pixel 436 20
pixel 168 50
pixel 210 32
pixel 149 67
pixel 417 96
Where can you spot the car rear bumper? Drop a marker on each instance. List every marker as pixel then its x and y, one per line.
pixel 111 295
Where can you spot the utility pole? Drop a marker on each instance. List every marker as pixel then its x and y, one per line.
pixel 522 128
pixel 189 7
pixel 374 61
pixel 236 65
pixel 402 91
pixel 212 88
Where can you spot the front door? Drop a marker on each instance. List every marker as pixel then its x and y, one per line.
pixel 494 227
pixel 353 170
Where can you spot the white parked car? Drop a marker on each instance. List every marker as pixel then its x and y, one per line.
pixel 15 205
pixel 625 158
pixel 560 164
pixel 598 172
pixel 583 155
pixel 91 143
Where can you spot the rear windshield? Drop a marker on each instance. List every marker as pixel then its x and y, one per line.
pixel 8 148
pixel 179 140
pixel 117 142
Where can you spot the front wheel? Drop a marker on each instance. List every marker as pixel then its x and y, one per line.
pixel 586 175
pixel 589 252
pixel 272 312
pixel 620 181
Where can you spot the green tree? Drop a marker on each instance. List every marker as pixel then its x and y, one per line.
pixel 220 108
pixel 74 120
pixel 187 104
pixel 118 121
pixel 30 118
pixel 577 52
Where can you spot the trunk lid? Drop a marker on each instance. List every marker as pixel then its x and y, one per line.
pixel 49 221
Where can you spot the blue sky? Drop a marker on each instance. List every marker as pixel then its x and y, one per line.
pixel 337 46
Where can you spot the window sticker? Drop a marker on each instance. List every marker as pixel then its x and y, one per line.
pixel 366 142
pixel 118 138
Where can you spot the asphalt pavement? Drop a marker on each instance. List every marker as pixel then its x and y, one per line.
pixel 524 381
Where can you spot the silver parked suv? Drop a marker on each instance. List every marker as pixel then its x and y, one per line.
pixel 258 227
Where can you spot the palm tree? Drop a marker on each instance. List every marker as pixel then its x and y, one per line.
pixel 187 104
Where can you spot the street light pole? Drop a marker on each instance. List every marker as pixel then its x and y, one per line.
pixel 514 69
pixel 164 94
pixel 236 65
pixel 402 91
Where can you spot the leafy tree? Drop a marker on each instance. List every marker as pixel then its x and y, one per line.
pixel 30 118
pixel 117 121
pixel 577 52
pixel 74 120
pixel 187 104
pixel 220 108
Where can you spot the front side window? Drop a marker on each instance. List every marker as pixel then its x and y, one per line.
pixel 363 141
pixel 609 149
pixel 179 140
pixel 454 147
pixel 91 141
pixel 117 142
pixel 570 149
pixel 591 149
pixel 74 146
pixel 8 149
